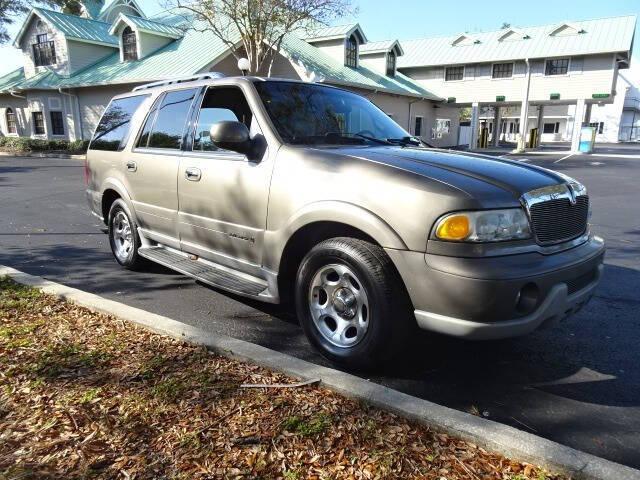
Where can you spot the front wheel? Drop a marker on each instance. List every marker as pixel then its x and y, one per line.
pixel 351 302
pixel 123 236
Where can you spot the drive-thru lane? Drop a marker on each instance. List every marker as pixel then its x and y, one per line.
pixel 578 384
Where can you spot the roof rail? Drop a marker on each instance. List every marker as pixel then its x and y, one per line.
pixel 190 78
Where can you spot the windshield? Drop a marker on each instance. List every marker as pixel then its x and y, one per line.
pixel 313 114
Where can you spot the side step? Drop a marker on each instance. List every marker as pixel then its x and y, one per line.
pixel 209 273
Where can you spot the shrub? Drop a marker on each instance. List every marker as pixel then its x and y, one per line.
pixel 24 144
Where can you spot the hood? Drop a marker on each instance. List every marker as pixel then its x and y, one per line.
pixel 479 176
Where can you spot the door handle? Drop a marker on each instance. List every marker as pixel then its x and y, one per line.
pixel 132 166
pixel 193 174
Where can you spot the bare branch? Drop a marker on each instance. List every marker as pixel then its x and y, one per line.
pixel 260 26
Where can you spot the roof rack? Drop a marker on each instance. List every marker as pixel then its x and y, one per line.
pixel 190 78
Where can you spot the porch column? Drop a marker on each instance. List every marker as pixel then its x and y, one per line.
pixel 475 113
pixel 540 123
pixel 524 111
pixel 497 128
pixel 587 113
pixel 577 125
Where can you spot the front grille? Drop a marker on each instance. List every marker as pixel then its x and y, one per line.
pixel 558 220
pixel 578 283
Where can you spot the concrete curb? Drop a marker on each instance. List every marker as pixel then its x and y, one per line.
pixel 486 433
pixel 43 155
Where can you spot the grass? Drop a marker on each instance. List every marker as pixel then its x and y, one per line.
pixel 87 396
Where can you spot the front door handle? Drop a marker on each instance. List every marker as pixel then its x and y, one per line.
pixel 132 166
pixel 193 174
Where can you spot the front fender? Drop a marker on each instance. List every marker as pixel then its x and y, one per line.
pixel 330 211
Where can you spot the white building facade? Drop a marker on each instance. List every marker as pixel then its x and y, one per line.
pixel 549 77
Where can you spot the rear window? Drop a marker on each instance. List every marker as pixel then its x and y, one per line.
pixel 113 129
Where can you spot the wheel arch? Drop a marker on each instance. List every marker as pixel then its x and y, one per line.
pixel 112 189
pixel 322 221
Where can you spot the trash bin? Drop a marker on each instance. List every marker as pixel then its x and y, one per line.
pixel 587 139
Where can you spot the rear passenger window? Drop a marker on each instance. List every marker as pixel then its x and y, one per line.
pixel 220 104
pixel 113 130
pixel 164 128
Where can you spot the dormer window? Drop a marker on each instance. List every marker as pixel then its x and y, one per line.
pixel 351 52
pixel 44 51
pixel 129 45
pixel 391 64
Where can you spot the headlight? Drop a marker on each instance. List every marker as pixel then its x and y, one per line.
pixel 484 226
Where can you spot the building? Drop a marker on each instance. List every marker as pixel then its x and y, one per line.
pixel 549 77
pixel 73 65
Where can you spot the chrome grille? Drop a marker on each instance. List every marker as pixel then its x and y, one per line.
pixel 558 219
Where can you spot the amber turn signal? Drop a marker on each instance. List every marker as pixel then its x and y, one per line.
pixel 454 227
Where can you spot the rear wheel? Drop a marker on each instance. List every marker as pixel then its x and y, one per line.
pixel 123 236
pixel 351 302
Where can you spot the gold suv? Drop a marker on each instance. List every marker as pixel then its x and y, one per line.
pixel 289 191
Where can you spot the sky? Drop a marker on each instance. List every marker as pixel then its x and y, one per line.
pixel 406 19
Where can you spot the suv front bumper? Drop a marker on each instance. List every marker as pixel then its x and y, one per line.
pixel 480 298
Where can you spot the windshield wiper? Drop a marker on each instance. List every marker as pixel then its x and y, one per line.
pixel 381 141
pixel 405 141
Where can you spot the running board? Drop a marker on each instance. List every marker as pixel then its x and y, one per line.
pixel 210 273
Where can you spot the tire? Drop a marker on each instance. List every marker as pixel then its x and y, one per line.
pixel 361 333
pixel 123 236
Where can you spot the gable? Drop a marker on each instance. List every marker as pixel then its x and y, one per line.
pixel 512 35
pixel 464 40
pixel 566 29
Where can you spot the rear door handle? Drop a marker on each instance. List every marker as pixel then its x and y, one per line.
pixel 132 166
pixel 193 174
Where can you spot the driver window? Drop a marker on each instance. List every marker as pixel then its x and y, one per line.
pixel 221 104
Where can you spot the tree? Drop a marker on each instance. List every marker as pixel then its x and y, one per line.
pixel 9 10
pixel 260 25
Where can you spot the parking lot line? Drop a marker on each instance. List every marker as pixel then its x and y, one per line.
pixel 564 158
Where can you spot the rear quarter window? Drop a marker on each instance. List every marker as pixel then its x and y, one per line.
pixel 113 130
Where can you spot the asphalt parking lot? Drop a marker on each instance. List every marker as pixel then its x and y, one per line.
pixel 578 384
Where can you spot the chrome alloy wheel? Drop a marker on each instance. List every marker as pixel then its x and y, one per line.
pixel 339 305
pixel 122 236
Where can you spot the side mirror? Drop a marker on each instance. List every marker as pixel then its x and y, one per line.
pixel 232 136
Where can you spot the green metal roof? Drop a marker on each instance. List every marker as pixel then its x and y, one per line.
pixel 150 26
pixel 337 31
pixel 72 27
pixel 381 47
pixel 93 7
pixel 603 35
pixel 320 67
pixel 197 50
pixel 11 79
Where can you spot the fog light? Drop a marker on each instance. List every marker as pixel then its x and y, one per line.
pixel 527 298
